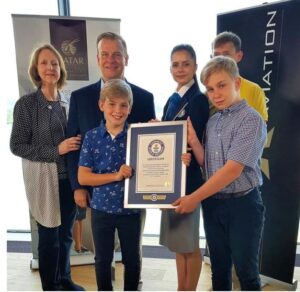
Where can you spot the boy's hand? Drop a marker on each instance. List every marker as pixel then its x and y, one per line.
pixel 186 204
pixel 124 172
pixel 186 158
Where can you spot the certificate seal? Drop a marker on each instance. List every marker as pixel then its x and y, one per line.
pixel 156 147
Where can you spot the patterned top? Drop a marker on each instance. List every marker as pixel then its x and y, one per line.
pixel 37 130
pixel 237 133
pixel 104 154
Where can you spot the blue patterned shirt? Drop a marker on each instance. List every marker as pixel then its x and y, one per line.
pixel 104 154
pixel 237 133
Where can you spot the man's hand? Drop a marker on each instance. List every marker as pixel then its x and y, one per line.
pixel 81 197
pixel 186 204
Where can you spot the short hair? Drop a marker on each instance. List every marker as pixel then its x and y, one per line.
pixel 116 88
pixel 185 47
pixel 112 36
pixel 33 64
pixel 217 64
pixel 226 37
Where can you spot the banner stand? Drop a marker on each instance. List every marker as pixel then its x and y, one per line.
pixel 81 68
pixel 282 286
pixel 270 42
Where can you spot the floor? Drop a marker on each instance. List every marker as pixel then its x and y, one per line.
pixel 157 275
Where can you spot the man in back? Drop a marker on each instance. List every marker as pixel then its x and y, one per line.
pixel 229 44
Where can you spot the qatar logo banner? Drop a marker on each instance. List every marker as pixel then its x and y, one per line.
pixel 68 36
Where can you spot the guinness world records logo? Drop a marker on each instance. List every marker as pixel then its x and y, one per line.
pixel 156 147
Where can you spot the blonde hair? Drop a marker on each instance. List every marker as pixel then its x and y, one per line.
pixel 116 88
pixel 217 64
pixel 33 64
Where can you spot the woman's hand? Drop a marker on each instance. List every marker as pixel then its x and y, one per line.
pixel 154 121
pixel 186 158
pixel 191 133
pixel 69 144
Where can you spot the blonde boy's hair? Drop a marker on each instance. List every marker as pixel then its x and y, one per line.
pixel 217 64
pixel 116 88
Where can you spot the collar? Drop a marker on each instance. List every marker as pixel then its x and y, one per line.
pixel 182 91
pixel 104 132
pixel 101 83
pixel 44 103
pixel 234 108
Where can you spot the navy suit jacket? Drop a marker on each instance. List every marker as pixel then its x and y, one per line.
pixel 84 115
pixel 195 105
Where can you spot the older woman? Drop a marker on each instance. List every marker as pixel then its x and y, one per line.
pixel 38 137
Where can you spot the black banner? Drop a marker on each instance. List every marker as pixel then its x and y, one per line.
pixel 69 38
pixel 271 43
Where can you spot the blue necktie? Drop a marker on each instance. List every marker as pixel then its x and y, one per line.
pixel 174 101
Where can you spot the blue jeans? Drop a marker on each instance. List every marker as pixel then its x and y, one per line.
pixel 233 229
pixel 129 232
pixel 55 243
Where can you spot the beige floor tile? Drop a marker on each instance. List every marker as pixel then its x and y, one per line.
pixel 157 275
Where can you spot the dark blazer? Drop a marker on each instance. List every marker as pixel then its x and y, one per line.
pixel 84 115
pixel 193 104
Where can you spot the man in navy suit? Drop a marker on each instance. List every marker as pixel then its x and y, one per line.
pixel 84 113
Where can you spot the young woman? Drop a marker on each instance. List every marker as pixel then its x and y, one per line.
pixel 180 233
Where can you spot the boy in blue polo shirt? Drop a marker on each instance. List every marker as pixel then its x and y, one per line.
pixel 102 166
pixel 233 210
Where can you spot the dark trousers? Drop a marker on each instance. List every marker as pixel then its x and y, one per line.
pixel 233 229
pixel 55 243
pixel 129 232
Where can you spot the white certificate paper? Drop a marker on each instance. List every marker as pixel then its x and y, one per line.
pixel 155 163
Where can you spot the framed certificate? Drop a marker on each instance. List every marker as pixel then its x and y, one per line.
pixel 154 152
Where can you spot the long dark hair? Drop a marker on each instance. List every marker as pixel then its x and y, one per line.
pixel 190 50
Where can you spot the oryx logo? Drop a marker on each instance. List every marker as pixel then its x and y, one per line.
pixel 156 147
pixel 68 47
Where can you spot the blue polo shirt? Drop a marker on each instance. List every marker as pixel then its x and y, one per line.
pixel 104 154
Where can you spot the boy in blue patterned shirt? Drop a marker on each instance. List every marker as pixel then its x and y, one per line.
pixel 102 166
pixel 233 210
